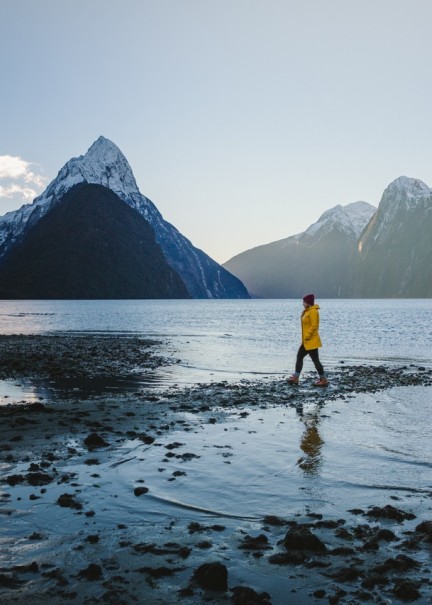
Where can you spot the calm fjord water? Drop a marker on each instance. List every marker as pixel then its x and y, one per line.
pixel 348 453
pixel 228 339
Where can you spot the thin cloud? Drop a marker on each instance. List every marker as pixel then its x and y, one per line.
pixel 13 167
pixel 17 179
pixel 11 191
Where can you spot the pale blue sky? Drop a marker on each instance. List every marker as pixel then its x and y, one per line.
pixel 243 120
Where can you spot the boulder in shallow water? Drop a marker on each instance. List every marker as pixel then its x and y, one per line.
pixel 301 538
pixel 390 512
pixel 94 440
pixel 69 501
pixel 425 530
pixel 212 576
pixel 243 595
pixel 92 572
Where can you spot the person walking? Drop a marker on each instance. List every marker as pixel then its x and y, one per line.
pixel 311 342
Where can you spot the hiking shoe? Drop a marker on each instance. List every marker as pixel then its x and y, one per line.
pixel 321 382
pixel 293 379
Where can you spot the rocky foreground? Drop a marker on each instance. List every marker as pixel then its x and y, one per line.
pixel 378 554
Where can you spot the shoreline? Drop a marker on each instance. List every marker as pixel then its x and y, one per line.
pixel 94 469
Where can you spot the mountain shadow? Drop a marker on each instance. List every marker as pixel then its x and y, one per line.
pixel 104 164
pixel 90 245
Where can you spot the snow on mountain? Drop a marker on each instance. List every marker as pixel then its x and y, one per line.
pixel 351 219
pixel 317 260
pixel 104 164
pixel 395 253
pixel 403 194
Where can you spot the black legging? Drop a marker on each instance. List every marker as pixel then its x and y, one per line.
pixel 313 353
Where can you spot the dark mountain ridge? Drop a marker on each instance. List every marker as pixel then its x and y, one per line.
pixel 104 164
pixel 90 245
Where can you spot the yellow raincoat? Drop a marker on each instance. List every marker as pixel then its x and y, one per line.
pixel 310 324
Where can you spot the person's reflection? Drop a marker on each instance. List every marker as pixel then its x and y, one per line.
pixel 311 444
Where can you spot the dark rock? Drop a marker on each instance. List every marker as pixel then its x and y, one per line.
pixel 69 501
pixel 319 594
pixel 425 529
pixel 13 480
pixel 363 595
pixel 346 574
pixel 399 563
pixel 187 456
pixel 334 599
pixel 275 521
pixel 344 551
pixel 385 535
pixel 390 512
pixel 287 558
pixel 373 580
pixel 94 441
pixel 56 574
pixel 212 576
pixel 32 567
pixel 186 592
pixel 157 572
pixel 255 543
pixel 173 446
pixel 93 539
pixel 38 478
pixel 363 532
pixel 406 590
pixel 139 491
pixel 170 548
pixel 92 572
pixel 147 439
pixel 9 580
pixel 243 595
pixel 343 533
pixel 371 545
pixel 329 524
pixel 301 538
pixel 195 527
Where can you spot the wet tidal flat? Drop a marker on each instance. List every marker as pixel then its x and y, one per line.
pixel 249 492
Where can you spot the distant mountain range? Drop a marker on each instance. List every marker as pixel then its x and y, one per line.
pixel 105 165
pixel 92 234
pixel 351 251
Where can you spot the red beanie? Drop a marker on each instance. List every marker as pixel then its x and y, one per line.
pixel 309 299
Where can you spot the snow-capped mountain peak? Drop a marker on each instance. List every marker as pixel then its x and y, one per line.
pixel 103 164
pixel 402 195
pixel 351 218
pixel 406 191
